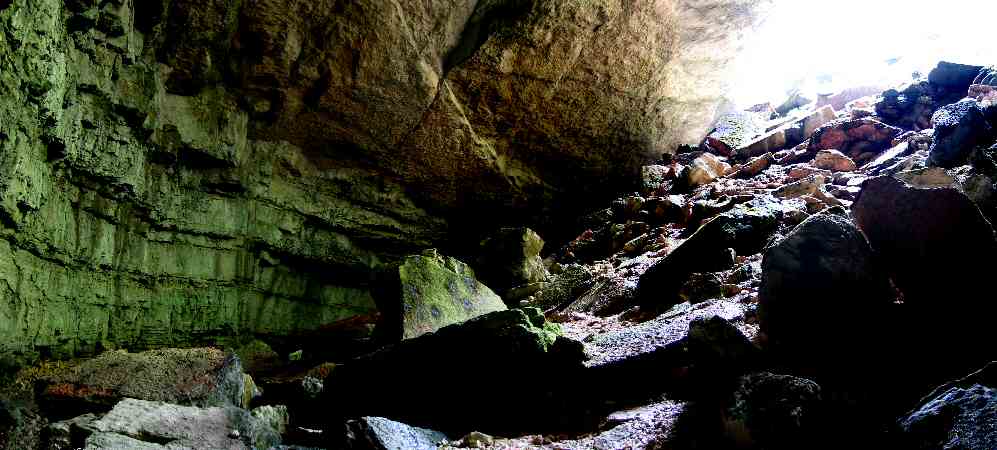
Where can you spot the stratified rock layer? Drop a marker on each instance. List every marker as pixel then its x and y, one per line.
pixel 177 172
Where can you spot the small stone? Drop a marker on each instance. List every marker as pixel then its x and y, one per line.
pixel 834 161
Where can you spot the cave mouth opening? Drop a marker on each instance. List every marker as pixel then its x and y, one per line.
pixel 820 47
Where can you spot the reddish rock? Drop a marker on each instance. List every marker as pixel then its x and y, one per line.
pixel 834 161
pixel 854 136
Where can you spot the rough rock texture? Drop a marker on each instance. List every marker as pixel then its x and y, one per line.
pixel 824 263
pixel 430 291
pixel 378 433
pixel 774 412
pixel 196 377
pixel 164 426
pixel 959 415
pixel 959 128
pixel 177 172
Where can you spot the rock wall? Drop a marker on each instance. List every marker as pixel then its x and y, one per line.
pixel 175 172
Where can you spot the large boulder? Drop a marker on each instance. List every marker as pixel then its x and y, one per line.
pixel 958 415
pixel 463 377
pixel 430 291
pixel 959 128
pixel 823 265
pixel 931 240
pixel 953 75
pixel 854 137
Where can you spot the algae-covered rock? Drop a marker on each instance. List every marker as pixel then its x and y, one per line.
pixel 430 291
pixel 198 377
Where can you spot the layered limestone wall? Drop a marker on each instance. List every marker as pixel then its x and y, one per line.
pixel 175 172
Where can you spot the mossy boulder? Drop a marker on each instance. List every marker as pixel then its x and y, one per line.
pixel 429 291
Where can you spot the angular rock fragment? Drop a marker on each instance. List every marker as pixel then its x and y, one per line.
pixel 378 433
pixel 959 128
pixel 428 292
pixel 703 170
pixel 823 264
pixel 755 166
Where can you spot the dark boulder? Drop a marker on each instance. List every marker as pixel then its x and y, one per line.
pixel 770 411
pixel 823 265
pixel 933 242
pixel 491 373
pixel 930 240
pixel 744 229
pixel 958 415
pixel 954 76
pixel 959 128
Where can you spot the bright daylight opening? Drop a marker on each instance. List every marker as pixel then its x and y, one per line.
pixel 823 47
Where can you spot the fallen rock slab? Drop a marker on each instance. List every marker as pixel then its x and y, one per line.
pixel 193 377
